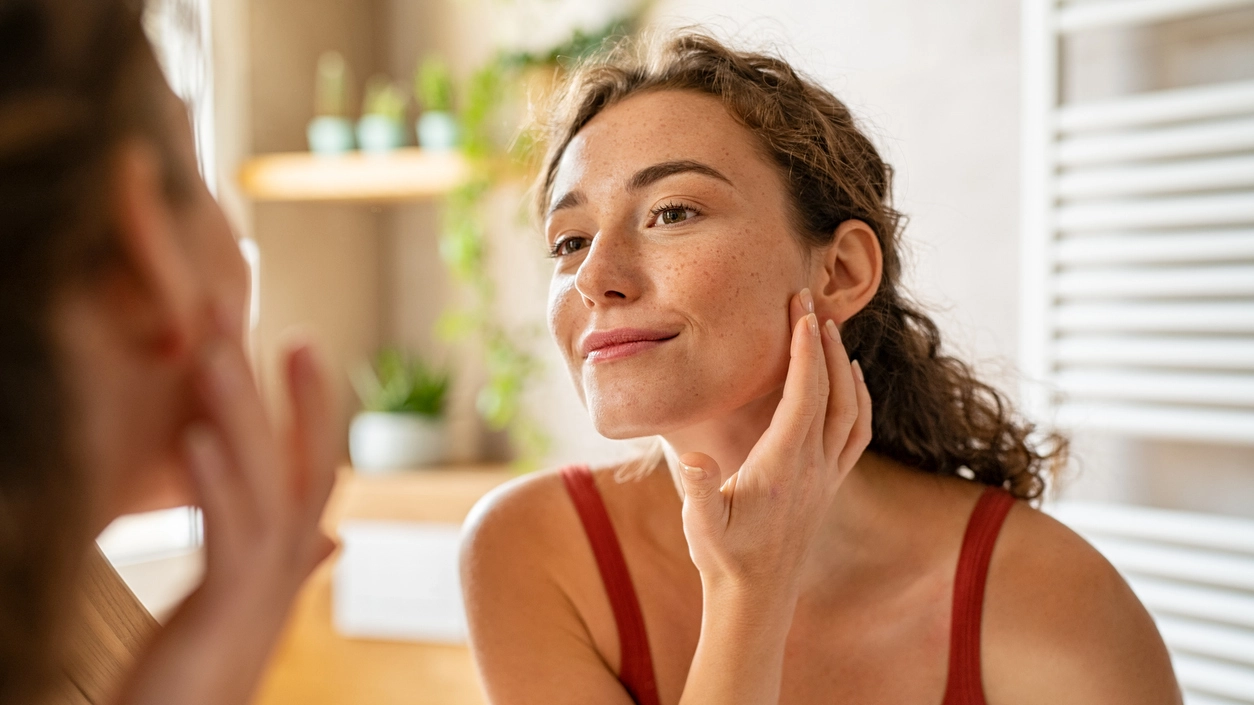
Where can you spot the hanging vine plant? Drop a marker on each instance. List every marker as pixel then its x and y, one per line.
pixel 464 242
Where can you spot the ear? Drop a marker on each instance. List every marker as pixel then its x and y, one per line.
pixel 849 271
pixel 155 284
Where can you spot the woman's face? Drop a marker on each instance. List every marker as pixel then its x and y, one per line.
pixel 217 280
pixel 674 262
pixel 132 355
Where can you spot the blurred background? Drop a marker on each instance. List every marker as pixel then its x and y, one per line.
pixel 1079 181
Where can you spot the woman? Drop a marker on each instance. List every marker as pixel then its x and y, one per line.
pixel 122 371
pixel 719 225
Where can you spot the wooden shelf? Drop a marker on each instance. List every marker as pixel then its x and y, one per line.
pixel 404 175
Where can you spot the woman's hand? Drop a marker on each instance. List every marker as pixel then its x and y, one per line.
pixel 750 535
pixel 262 494
pixel 757 526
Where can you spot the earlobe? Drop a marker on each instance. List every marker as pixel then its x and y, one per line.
pixel 163 296
pixel 853 265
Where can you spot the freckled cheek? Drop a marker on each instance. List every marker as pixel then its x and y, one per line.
pixel 566 316
pixel 728 292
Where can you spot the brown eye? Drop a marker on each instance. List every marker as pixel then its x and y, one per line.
pixel 672 214
pixel 569 246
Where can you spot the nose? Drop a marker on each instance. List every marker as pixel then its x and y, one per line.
pixel 609 273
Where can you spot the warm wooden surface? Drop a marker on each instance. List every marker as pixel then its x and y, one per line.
pixel 402 175
pixel 315 666
pixel 112 629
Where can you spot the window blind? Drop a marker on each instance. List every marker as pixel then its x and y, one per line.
pixel 1138 241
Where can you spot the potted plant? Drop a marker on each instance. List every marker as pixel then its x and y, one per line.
pixel 330 132
pixel 382 124
pixel 433 87
pixel 402 422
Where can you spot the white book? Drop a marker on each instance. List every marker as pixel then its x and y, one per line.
pixel 399 581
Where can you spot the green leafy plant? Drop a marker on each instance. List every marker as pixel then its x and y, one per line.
pixel 401 383
pixel 463 245
pixel 433 85
pixel 384 98
pixel 331 89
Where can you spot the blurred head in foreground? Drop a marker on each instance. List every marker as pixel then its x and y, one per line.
pixel 111 254
pixel 688 191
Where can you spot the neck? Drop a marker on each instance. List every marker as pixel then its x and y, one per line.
pixel 729 438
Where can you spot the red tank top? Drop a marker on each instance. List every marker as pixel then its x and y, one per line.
pixel 964 685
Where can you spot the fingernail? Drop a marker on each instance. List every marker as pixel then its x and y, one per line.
pixel 857 371
pixel 813 321
pixel 693 472
pixel 807 300
pixel 832 331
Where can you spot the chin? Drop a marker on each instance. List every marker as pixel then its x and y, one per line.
pixel 621 417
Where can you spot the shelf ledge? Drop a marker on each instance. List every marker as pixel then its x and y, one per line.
pixel 403 175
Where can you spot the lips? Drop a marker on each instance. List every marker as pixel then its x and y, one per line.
pixel 601 346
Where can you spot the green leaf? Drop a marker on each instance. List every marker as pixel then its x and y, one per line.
pixel 384 98
pixel 400 382
pixel 433 85
pixel 456 325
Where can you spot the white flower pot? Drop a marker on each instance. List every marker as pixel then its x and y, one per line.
pixel 379 134
pixel 437 131
pixel 379 442
pixel 330 135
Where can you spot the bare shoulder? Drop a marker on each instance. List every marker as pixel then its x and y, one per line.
pixel 1061 624
pixel 539 622
pixel 519 521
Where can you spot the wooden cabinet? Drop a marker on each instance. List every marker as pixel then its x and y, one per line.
pixel 313 665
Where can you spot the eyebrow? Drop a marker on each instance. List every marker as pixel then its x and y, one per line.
pixel 647 177
pixel 652 174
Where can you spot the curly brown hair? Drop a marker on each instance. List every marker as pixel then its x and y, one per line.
pixel 931 412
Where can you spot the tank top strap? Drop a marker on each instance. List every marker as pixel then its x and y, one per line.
pixel 636 672
pixel 965 684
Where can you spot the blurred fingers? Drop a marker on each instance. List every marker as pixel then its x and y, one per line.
pixel 219 490
pixel 234 407
pixel 313 444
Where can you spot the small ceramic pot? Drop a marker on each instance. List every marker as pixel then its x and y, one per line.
pixel 438 130
pixel 381 442
pixel 379 133
pixel 330 135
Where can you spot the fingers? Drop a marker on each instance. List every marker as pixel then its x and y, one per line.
pixel 860 435
pixel 218 488
pixel 313 448
pixel 842 402
pixel 800 410
pixel 234 407
pixel 798 306
pixel 704 506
